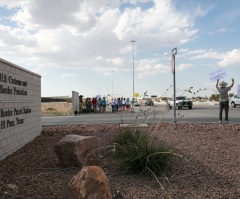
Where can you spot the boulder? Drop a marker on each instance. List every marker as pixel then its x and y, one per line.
pixel 89 183
pixel 76 150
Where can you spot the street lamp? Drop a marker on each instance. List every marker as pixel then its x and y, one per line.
pixel 112 83
pixel 133 64
pixel 174 52
pixel 107 84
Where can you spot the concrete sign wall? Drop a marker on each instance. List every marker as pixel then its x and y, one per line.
pixel 20 107
pixel 75 102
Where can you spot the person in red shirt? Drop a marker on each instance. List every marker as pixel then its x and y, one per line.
pixel 94 103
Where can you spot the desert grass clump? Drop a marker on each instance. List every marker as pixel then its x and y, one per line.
pixel 53 111
pixel 139 153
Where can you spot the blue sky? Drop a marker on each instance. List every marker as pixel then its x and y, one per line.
pixel 76 46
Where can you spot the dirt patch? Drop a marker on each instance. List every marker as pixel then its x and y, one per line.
pixel 206 164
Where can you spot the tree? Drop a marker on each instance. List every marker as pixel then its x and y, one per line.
pixel 199 98
pixel 164 99
pixel 214 97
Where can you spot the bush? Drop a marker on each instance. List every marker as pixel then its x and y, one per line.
pixel 138 154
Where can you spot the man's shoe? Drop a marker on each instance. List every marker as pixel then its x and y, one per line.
pixel 220 122
pixel 226 121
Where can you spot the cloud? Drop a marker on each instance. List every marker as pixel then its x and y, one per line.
pixel 185 66
pixel 69 75
pixel 183 50
pixel 217 31
pixel 135 1
pixel 203 54
pixel 196 52
pixel 161 24
pixel 16 36
pixel 10 4
pixel 231 58
pixel 211 33
pixel 192 54
pixel 147 67
pixel 222 30
pixel 49 14
pixel 94 35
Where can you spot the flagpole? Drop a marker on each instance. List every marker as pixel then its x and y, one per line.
pixel 174 52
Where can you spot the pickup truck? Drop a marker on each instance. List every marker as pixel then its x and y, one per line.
pixel 181 101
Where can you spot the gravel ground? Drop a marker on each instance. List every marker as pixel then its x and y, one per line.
pixel 206 164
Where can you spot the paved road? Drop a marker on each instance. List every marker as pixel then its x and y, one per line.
pixel 199 113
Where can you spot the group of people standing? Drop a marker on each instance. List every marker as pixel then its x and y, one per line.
pixel 98 104
pixel 122 104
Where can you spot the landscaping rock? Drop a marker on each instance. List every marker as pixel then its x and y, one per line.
pixel 76 150
pixel 89 183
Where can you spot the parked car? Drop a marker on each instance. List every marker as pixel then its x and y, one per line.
pixel 235 101
pixel 149 102
pixel 136 103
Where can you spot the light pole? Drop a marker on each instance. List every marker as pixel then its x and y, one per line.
pixel 174 52
pixel 112 83
pixel 107 84
pixel 133 63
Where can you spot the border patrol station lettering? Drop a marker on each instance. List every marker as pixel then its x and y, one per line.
pixel 9 113
pixel 15 111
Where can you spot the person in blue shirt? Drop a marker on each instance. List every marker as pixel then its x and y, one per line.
pixel 104 104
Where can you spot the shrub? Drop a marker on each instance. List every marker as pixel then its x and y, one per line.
pixel 138 154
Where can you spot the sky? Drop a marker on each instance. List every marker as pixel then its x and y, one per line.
pixel 85 45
